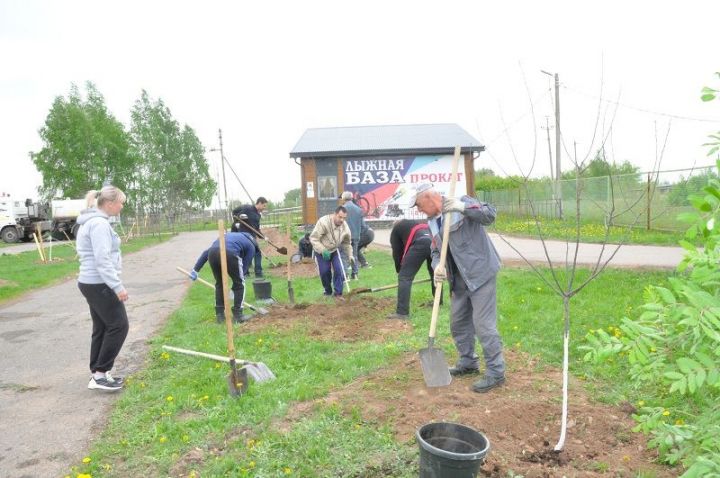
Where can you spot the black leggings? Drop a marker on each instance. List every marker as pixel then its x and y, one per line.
pixel 235 271
pixel 110 325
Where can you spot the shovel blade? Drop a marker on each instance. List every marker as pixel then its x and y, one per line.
pixel 259 372
pixel 434 367
pixel 282 250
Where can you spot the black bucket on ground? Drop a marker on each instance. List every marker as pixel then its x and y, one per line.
pixel 450 450
pixel 263 289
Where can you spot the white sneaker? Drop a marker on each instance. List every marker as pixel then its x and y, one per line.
pixel 104 384
pixel 110 378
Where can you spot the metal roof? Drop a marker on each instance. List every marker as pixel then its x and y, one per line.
pixel 391 139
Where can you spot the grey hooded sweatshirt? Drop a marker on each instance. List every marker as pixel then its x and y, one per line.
pixel 98 247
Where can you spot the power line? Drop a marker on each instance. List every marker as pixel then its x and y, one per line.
pixel 642 110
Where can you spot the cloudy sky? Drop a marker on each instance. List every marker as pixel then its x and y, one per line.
pixel 264 72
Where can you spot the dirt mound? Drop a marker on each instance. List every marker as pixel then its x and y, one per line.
pixel 521 420
pixel 349 320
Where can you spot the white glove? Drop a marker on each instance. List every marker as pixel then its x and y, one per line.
pixel 352 260
pixel 439 275
pixel 452 205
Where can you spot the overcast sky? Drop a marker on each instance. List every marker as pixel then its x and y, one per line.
pixel 266 71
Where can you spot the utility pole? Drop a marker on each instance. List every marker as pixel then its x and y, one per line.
pixel 547 128
pixel 558 172
pixel 222 161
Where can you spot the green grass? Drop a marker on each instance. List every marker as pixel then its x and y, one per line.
pixel 20 273
pixel 589 232
pixel 175 418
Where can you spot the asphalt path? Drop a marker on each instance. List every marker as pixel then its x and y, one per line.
pixel 515 250
pixel 48 417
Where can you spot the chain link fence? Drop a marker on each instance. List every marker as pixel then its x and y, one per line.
pixel 651 200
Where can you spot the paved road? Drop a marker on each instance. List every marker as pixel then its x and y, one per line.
pixel 588 254
pixel 47 415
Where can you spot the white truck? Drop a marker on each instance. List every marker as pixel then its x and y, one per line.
pixel 19 220
pixel 64 216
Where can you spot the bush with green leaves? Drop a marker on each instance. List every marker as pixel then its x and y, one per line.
pixel 673 347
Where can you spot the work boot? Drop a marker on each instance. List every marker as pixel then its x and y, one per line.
pixel 457 370
pixel 353 276
pixel 220 315
pixel 239 317
pixel 487 383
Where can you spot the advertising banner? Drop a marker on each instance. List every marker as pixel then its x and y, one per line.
pixel 382 185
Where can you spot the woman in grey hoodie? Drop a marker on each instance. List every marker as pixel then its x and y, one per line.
pixel 98 247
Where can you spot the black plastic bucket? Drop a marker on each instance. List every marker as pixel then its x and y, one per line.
pixel 450 450
pixel 263 289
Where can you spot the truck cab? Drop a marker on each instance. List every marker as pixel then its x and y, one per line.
pixel 19 220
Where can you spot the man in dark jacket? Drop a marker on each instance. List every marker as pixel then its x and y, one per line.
pixel 240 248
pixel 254 214
pixel 410 242
pixel 471 268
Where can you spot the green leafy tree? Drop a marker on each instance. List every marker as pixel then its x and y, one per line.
pixel 292 198
pixel 171 173
pixel 83 146
pixel 673 345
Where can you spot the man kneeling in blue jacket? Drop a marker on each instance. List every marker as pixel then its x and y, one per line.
pixel 240 247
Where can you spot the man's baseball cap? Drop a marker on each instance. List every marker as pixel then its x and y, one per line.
pixel 420 188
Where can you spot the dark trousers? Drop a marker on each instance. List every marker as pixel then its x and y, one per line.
pixel 418 252
pixel 235 271
pixel 257 262
pixel 110 325
pixel 331 273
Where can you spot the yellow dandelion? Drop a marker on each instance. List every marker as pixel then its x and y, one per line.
pixel 142 384
pixel 653 349
pixel 515 327
pixel 626 458
pixel 539 289
pixel 679 421
pixel 666 413
pixel 641 403
pixel 84 475
pixel 169 398
pixel 163 439
pixel 251 464
pixel 205 397
pixel 165 356
pixel 259 341
pixel 192 474
pixel 107 467
pixel 217 365
pixel 87 459
pixel 250 443
pixel 287 470
pixel 185 438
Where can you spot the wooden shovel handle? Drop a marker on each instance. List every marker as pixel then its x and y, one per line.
pixel 199 279
pixel 444 248
pixel 226 299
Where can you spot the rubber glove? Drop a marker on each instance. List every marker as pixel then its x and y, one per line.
pixel 326 255
pixel 452 205
pixel 193 274
pixel 439 275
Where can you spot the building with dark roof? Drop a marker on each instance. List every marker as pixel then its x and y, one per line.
pixel 380 165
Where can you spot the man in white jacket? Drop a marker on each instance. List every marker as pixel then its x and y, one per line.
pixel 330 234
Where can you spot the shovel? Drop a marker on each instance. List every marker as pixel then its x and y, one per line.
pixel 237 379
pixel 364 290
pixel 259 310
pixel 258 371
pixel 434 366
pixel 291 291
pixel 281 250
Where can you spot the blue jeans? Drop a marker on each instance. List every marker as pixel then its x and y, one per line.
pixel 331 273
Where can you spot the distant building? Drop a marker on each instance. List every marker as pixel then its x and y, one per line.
pixel 380 165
